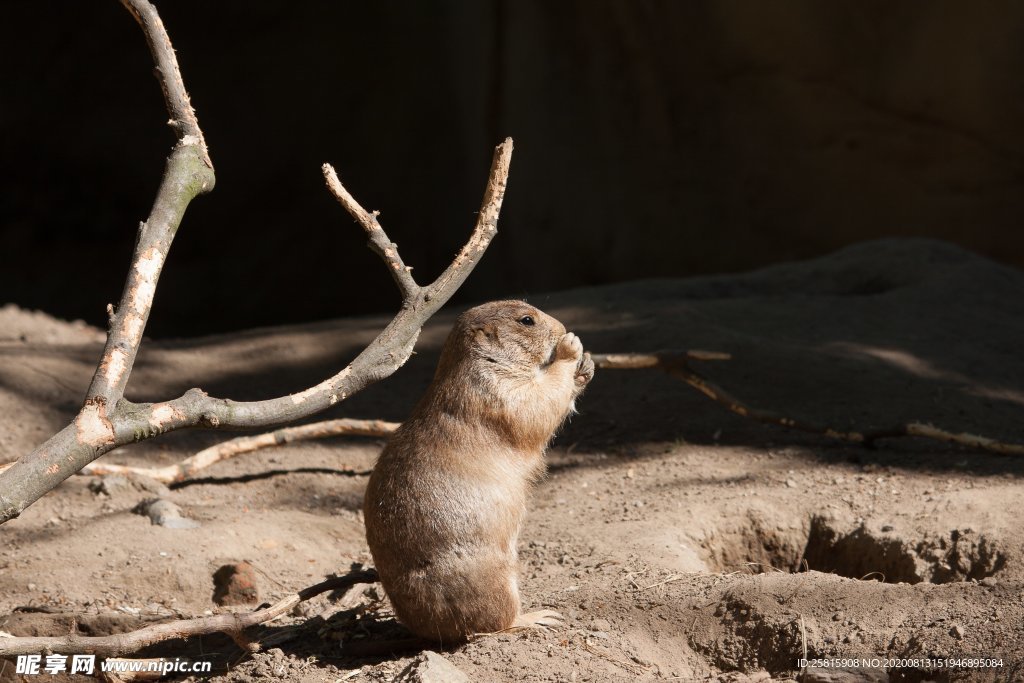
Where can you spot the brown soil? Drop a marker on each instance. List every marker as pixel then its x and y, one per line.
pixel 680 541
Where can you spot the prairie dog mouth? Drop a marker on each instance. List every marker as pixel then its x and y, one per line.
pixel 551 354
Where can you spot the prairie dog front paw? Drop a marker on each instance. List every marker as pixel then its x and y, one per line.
pixel 569 348
pixel 584 371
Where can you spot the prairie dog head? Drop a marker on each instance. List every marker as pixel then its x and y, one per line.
pixel 508 339
pixel 509 367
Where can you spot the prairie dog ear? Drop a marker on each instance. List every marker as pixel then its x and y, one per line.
pixel 486 331
pixel 483 336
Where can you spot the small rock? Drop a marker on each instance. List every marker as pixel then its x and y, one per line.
pixel 601 625
pixel 149 485
pixel 838 616
pixel 957 632
pixel 739 677
pixel 165 513
pixel 813 675
pixel 235 584
pixel 790 484
pixel 110 485
pixel 431 667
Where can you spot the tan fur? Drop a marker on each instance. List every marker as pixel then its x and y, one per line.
pixel 447 497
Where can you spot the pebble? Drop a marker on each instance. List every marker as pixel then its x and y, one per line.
pixel 110 485
pixel 165 513
pixel 235 584
pixel 957 632
pixel 865 675
pixel 431 667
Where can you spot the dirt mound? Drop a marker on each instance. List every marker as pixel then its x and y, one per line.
pixel 680 540
pixel 36 327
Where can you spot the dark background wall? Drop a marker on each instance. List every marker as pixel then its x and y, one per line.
pixel 652 139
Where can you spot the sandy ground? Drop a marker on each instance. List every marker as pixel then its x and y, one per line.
pixel 681 542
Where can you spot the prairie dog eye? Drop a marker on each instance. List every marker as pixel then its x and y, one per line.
pixel 526 320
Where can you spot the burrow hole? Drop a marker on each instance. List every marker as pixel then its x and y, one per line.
pixel 857 552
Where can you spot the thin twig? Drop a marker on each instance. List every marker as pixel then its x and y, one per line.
pixel 183 117
pixel 133 641
pixel 670 579
pixel 675 364
pixel 379 241
pixel 605 654
pixel 803 644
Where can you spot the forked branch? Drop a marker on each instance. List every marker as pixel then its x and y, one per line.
pixel 107 421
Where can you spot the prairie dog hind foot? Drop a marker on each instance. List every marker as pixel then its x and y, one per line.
pixel 541 620
pixel 544 619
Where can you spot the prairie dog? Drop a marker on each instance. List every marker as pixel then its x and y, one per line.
pixel 447 496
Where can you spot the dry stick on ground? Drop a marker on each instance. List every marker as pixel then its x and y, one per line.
pixel 133 641
pixel 188 467
pixel 107 420
pixel 675 364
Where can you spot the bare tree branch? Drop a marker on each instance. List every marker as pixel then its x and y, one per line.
pixel 675 364
pixel 188 173
pixel 133 641
pixel 107 421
